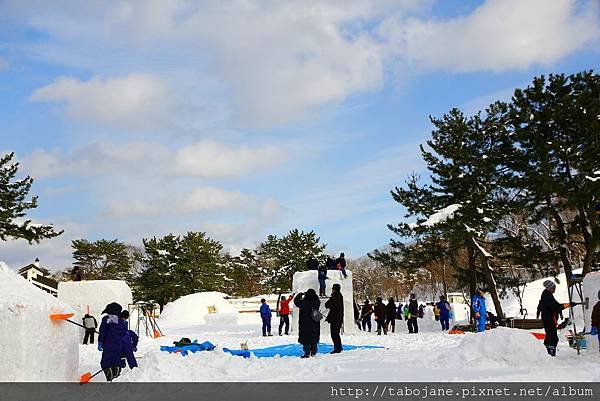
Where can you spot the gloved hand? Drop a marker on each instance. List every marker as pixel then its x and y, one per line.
pixel 477 314
pixel 100 346
pixel 134 349
pixel 594 330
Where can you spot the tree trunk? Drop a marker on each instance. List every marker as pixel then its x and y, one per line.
pixel 591 243
pixel 489 278
pixel 472 274
pixel 563 244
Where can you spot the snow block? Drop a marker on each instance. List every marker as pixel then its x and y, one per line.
pixel 92 296
pixel 590 287
pixel 202 307
pixel 302 281
pixel 32 346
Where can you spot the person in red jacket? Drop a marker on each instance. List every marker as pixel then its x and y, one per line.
pixel 284 313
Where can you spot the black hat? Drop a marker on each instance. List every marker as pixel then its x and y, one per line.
pixel 113 309
pixel 263 300
pixel 336 287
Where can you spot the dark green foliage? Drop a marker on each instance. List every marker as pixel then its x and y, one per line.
pixel 103 259
pixel 14 204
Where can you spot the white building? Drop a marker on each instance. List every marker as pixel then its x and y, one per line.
pixel 39 277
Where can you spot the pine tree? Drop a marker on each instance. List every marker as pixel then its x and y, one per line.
pixel 103 259
pixel 282 257
pixel 14 204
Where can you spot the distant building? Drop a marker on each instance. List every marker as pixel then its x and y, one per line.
pixel 39 277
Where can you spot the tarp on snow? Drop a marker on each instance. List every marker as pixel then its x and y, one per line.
pixel 184 349
pixel 291 350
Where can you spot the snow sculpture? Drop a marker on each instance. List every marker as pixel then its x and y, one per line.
pixel 201 307
pixel 92 296
pixel 32 346
pixel 302 281
pixel 590 287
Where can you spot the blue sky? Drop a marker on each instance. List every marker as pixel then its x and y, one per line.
pixel 246 118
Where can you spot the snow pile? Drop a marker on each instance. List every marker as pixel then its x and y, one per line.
pixel 302 281
pixel 500 347
pixel 440 216
pixel 197 308
pixel 32 346
pixel 92 296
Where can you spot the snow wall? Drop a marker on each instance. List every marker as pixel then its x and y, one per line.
pixel 92 296
pixel 591 286
pixel 32 346
pixel 202 307
pixel 302 281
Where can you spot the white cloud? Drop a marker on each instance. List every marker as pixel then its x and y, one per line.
pixel 134 101
pixel 205 159
pixel 213 159
pixel 499 35
pixel 202 199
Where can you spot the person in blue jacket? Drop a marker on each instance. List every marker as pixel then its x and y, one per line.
pixel 129 345
pixel 110 339
pixel 479 309
pixel 444 308
pixel 265 315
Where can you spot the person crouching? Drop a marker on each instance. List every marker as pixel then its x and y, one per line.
pixel 129 345
pixel 112 330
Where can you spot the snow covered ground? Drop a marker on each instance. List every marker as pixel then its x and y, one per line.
pixel 498 355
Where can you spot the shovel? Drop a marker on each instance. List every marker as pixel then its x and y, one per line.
pixel 86 377
pixel 66 316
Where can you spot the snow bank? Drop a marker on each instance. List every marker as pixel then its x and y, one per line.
pixel 500 347
pixel 92 296
pixel 202 307
pixel 302 281
pixel 33 347
pixel 591 287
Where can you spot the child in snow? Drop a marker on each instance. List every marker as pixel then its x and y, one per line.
pixel 129 344
pixel 340 264
pixel 443 308
pixel 284 313
pixel 112 330
pixel 400 312
pixel 365 316
pixel 479 310
pixel 265 315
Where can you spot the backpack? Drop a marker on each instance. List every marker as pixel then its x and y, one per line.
pixel 316 315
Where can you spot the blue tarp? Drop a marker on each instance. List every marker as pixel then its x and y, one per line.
pixel 184 349
pixel 291 350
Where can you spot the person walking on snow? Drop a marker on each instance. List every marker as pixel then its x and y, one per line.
pixel 284 313
pixel 413 313
pixel 112 330
pixel 380 316
pixel 340 264
pixel 390 320
pixel 365 315
pixel 335 317
pixel 479 309
pixel 549 310
pixel 309 328
pixel 265 315
pixel 129 344
pixel 444 313
pixel 90 324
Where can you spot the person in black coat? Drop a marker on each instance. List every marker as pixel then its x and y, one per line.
pixel 380 316
pixel 413 313
pixel 365 316
pixel 391 315
pixel 340 264
pixel 90 324
pixel 549 309
pixel 335 317
pixel 309 329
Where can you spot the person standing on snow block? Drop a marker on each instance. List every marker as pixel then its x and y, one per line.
pixel 596 319
pixel 322 276
pixel 112 330
pixel 76 274
pixel 390 320
pixel 335 317
pixel 549 310
pixel 380 315
pixel 284 313
pixel 479 309
pixel 90 324
pixel 309 327
pixel 413 313
pixel 444 313
pixel 265 315
pixel 340 264
pixel 129 344
pixel 365 315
